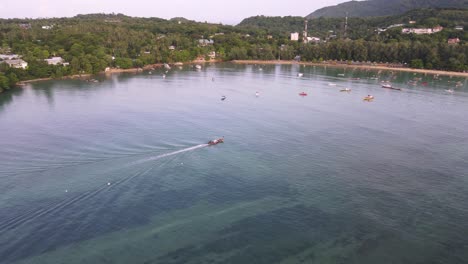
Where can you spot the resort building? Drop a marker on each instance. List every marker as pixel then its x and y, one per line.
pixel 56 61
pixel 18 63
pixel 421 31
pixel 9 56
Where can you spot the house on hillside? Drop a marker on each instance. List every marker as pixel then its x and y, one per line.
pixel 9 56
pixel 295 36
pixel 313 39
pixel 453 41
pixel 205 42
pixel 56 61
pixel 25 26
pixel 48 27
pixel 18 63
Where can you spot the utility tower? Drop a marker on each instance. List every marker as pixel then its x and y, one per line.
pixel 304 34
pixel 346 26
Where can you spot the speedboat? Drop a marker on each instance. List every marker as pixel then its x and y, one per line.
pixel 369 98
pixel 216 141
pixel 303 94
pixel 223 98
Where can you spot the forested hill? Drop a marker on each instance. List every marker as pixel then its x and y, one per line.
pixel 274 25
pixel 372 8
pixel 358 27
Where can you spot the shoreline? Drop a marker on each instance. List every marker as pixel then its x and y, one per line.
pixel 71 77
pixel 115 70
pixel 264 62
pixel 366 67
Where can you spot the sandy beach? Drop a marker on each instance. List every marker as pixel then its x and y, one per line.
pixel 366 67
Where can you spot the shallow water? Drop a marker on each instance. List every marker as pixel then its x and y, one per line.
pixel 119 171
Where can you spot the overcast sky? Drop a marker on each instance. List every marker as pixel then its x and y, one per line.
pixel 224 11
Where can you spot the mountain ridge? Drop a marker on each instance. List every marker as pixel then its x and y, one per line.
pixel 372 8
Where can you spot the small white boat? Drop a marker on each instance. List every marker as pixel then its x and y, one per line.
pixel 167 66
pixel 198 67
pixel 300 74
pixel 331 84
pixel 449 91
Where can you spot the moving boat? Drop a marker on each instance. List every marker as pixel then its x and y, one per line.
pixel 303 94
pixel 216 141
pixel 345 90
pixel 369 98
pixel 223 98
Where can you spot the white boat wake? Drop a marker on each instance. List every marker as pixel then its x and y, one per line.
pixel 35 213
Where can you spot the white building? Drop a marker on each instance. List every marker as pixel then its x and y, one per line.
pixel 55 61
pixel 47 27
pixel 9 56
pixel 18 63
pixel 421 31
pixel 313 39
pixel 205 42
pixel 295 36
pixel 212 55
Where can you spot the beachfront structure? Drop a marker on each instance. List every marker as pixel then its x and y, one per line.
pixel 56 61
pixel 18 63
pixel 295 36
pixel 422 31
pixel 212 55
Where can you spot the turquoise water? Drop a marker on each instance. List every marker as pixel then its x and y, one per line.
pixel 119 171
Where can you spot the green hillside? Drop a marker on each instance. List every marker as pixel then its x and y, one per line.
pixel 358 27
pixel 374 8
